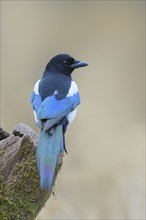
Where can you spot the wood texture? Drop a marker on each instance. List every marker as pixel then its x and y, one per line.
pixel 20 194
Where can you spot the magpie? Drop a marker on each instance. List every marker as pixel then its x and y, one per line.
pixel 54 100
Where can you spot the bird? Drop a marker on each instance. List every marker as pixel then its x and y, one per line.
pixel 54 100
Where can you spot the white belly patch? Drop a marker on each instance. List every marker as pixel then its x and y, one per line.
pixel 71 116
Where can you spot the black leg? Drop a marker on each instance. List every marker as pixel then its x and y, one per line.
pixel 64 124
pixel 64 143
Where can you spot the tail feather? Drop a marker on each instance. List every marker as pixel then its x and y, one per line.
pixel 48 155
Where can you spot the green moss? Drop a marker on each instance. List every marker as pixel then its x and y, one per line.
pixel 21 197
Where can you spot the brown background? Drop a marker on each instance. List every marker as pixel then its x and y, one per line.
pixel 103 174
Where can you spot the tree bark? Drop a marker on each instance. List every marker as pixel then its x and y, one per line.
pixel 20 193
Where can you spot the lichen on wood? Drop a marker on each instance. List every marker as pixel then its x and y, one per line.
pixel 20 193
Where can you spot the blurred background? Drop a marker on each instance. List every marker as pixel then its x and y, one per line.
pixel 103 174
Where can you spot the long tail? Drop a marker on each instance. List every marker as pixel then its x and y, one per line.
pixel 48 155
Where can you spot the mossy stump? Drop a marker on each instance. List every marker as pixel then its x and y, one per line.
pixel 20 193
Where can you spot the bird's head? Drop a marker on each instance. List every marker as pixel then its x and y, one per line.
pixel 65 64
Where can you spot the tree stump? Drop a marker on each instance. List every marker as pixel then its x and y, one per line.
pixel 20 193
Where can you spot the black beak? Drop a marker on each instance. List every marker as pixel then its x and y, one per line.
pixel 78 64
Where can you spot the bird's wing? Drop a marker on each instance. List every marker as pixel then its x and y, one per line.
pixel 36 101
pixel 54 110
pixel 51 109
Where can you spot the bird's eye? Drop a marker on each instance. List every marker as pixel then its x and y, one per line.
pixel 64 62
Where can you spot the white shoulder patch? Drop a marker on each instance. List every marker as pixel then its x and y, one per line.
pixel 36 87
pixel 73 89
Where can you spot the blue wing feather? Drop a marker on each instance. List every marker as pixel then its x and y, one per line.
pixel 36 101
pixel 53 108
